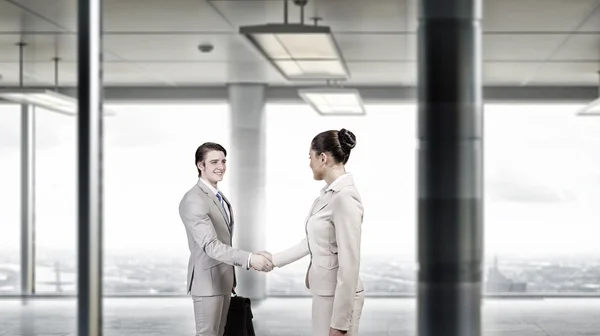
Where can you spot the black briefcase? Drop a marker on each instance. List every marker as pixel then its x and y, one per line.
pixel 239 318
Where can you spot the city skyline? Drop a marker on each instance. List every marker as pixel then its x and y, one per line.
pixel 135 273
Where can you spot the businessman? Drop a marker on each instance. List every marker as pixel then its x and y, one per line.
pixel 209 224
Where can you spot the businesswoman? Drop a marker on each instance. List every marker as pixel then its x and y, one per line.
pixel 333 238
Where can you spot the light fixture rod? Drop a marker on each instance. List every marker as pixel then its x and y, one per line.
pixel 21 46
pixel 56 60
pixel 285 11
pixel 316 18
pixel 302 4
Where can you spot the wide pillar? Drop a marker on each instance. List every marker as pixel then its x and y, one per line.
pixel 450 168
pixel 89 172
pixel 247 173
pixel 27 199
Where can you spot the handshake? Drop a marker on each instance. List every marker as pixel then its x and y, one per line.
pixel 262 261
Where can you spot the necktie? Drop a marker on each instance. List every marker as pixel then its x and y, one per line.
pixel 220 197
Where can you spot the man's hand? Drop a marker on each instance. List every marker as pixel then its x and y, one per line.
pixel 261 263
pixel 335 332
pixel 266 254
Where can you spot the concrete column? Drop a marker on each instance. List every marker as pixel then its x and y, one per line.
pixel 450 168
pixel 247 173
pixel 27 200
pixel 89 164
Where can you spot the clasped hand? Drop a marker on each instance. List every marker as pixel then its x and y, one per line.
pixel 262 261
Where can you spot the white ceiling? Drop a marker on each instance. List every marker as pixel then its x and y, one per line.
pixel 154 42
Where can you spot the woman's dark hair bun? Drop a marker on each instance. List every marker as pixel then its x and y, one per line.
pixel 347 140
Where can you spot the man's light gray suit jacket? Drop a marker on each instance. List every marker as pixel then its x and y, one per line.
pixel 210 268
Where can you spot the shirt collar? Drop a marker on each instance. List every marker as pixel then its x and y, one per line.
pixel 334 183
pixel 209 186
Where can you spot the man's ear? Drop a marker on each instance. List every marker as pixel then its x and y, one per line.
pixel 200 166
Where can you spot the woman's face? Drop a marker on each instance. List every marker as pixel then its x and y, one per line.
pixel 317 164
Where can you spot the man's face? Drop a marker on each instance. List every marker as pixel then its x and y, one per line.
pixel 213 168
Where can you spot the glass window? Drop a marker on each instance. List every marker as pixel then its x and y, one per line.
pixel 542 185
pixel 10 198
pixel 55 203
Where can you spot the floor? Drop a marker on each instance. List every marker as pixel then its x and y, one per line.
pixel 291 317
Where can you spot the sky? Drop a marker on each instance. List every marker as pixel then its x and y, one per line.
pixel 542 176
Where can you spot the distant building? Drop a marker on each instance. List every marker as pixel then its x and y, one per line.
pixel 8 279
pixel 499 283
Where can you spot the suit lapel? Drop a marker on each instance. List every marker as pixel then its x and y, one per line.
pixel 311 210
pixel 326 195
pixel 321 202
pixel 215 200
